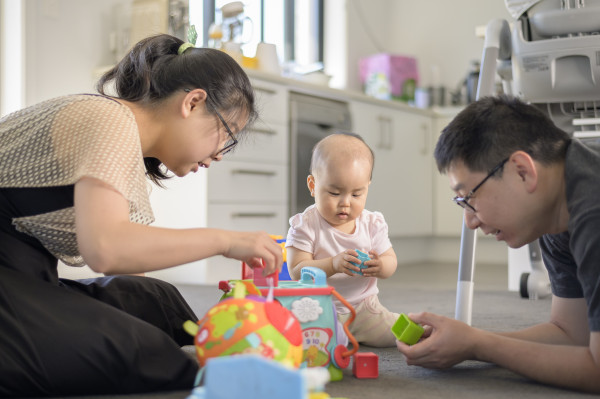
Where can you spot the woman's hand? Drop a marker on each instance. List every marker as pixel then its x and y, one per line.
pixel 251 247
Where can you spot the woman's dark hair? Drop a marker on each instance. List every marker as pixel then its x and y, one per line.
pixel 153 70
pixel 492 128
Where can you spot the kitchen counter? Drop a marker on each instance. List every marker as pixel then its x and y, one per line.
pixel 300 86
pixel 348 95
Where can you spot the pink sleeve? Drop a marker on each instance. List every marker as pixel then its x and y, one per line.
pixel 380 240
pixel 301 234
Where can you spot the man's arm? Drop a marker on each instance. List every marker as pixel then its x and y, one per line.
pixel 554 353
pixel 567 326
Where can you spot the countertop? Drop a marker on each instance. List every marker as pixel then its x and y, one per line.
pixel 333 93
pixel 348 95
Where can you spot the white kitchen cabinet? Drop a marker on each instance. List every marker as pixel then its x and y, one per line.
pixel 447 216
pixel 248 190
pixel 401 187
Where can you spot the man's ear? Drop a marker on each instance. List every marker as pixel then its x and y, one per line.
pixel 526 169
pixel 192 101
pixel 310 183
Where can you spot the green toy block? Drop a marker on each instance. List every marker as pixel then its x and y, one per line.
pixel 407 330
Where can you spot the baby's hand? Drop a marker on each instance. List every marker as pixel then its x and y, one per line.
pixel 342 263
pixel 373 265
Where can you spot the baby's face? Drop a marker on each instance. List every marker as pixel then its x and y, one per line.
pixel 340 190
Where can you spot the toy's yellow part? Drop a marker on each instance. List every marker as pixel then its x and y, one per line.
pixel 225 320
pixel 239 290
pixel 318 395
pixel 190 327
pixel 199 351
pixel 281 244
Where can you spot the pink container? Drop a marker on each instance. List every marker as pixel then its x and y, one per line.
pixel 388 76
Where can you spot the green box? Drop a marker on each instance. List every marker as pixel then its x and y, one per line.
pixel 406 330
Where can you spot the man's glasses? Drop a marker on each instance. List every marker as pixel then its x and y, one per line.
pixel 232 140
pixel 463 202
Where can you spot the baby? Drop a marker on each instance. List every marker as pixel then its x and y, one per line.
pixel 327 234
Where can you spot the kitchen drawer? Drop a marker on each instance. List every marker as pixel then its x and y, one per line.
pixel 272 101
pixel 234 182
pixel 265 142
pixel 249 217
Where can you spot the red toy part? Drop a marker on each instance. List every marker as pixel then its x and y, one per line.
pixel 272 280
pixel 285 322
pixel 257 277
pixel 247 273
pixel 365 365
pixel 340 360
pixel 224 286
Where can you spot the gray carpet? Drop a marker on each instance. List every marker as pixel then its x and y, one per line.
pixel 428 288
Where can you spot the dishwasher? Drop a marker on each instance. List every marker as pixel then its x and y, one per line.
pixel 311 119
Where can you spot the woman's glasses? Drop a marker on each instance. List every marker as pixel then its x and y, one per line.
pixel 232 140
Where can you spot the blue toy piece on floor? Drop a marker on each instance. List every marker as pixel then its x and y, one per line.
pixel 255 378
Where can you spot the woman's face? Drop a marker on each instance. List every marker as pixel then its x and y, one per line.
pixel 199 140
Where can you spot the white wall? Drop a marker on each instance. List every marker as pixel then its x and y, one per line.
pixel 436 32
pixel 11 56
pixel 443 33
pixel 66 40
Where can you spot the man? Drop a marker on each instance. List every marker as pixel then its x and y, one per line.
pixel 519 177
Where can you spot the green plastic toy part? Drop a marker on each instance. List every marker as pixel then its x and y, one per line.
pixel 406 330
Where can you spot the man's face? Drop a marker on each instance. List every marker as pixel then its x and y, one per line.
pixel 498 207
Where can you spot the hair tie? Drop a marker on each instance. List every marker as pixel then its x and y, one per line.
pixel 192 37
pixel 184 47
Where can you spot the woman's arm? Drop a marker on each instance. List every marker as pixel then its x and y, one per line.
pixel 111 244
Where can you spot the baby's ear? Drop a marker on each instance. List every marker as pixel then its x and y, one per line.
pixel 310 183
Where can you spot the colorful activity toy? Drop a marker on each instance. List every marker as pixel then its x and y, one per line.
pixel 250 324
pixel 310 300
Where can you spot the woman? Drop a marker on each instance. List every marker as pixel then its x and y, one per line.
pixel 73 187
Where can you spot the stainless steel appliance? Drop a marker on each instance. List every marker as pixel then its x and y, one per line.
pixel 311 118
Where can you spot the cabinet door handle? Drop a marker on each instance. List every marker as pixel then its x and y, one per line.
pixel 265 90
pixel 264 131
pixel 253 215
pixel 390 133
pixel 425 148
pixel 252 172
pixel 386 134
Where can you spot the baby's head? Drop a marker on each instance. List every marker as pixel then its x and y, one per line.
pixel 340 174
pixel 336 150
